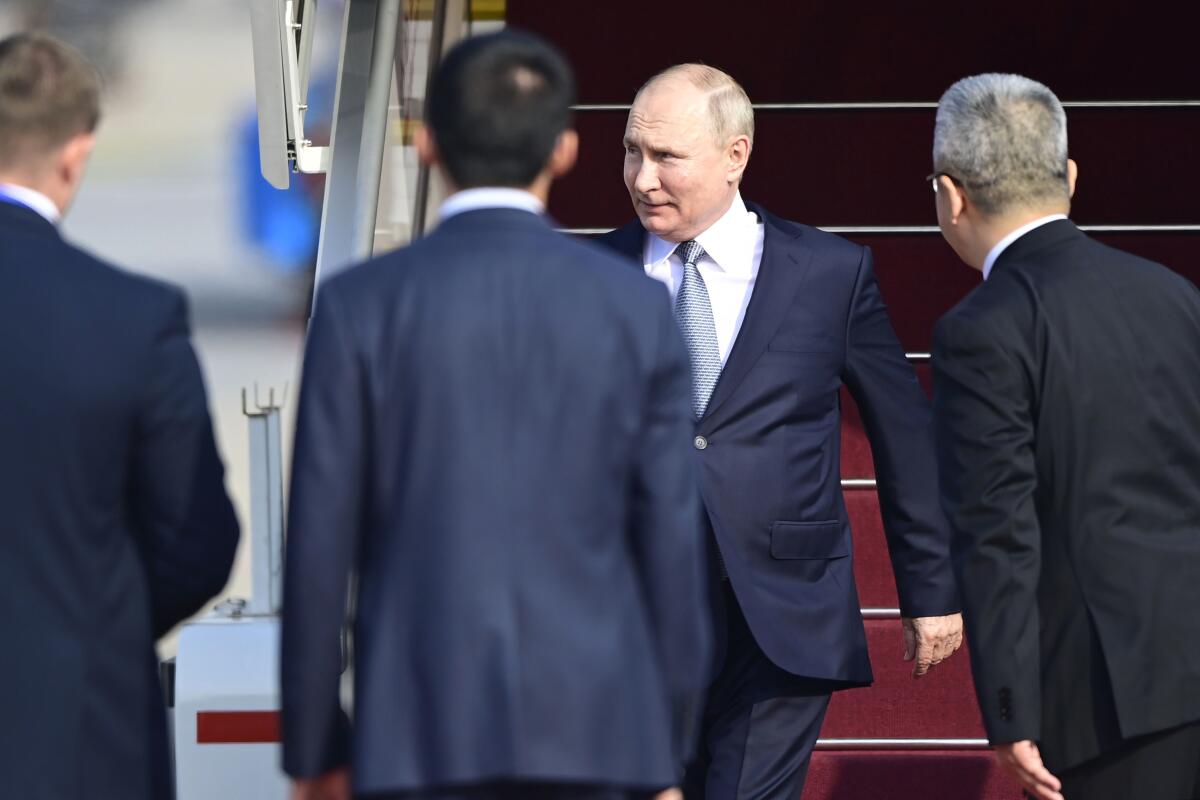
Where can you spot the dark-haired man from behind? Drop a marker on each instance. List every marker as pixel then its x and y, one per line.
pixel 493 437
pixel 114 522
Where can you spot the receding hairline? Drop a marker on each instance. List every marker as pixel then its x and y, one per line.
pixel 702 76
pixel 711 83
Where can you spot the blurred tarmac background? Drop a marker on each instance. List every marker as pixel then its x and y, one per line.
pixel 166 193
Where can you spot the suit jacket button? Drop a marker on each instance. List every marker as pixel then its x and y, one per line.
pixel 700 442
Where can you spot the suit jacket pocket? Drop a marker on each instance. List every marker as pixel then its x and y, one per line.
pixel 808 540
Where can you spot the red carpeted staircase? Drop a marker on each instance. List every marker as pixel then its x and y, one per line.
pixel 841 144
pixel 900 738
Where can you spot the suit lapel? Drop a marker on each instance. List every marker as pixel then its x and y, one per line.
pixel 628 241
pixel 784 267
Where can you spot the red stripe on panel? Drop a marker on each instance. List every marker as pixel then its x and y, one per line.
pixel 237 727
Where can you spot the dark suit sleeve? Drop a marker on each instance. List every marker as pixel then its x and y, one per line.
pixel 985 437
pixel 668 534
pixel 186 526
pixel 897 419
pixel 324 526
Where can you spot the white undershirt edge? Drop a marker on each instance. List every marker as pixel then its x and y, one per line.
pixel 733 248
pixel 33 200
pixel 489 197
pixel 1003 244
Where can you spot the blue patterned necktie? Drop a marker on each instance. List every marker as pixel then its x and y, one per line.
pixel 693 310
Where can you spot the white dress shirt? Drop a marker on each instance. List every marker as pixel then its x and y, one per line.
pixel 733 247
pixel 1003 244
pixel 33 200
pixel 489 197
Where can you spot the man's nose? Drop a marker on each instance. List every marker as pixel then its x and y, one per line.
pixel 646 180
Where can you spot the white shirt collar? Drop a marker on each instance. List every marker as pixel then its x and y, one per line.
pixel 33 200
pixel 729 241
pixel 1003 244
pixel 489 197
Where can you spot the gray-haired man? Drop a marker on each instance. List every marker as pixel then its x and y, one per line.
pixel 1067 412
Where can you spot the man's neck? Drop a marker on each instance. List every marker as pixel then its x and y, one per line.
pixel 32 195
pixel 1014 234
pixel 700 230
pixel 540 188
pixel 992 230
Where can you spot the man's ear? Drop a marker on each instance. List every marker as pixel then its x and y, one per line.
pixel 956 198
pixel 423 141
pixel 1072 176
pixel 74 156
pixel 738 155
pixel 69 166
pixel 564 154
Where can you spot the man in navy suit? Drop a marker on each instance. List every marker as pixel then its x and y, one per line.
pixel 777 316
pixel 115 523
pixel 494 439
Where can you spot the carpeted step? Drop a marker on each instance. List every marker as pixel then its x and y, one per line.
pixel 872 566
pixel 940 705
pixel 856 451
pixel 907 775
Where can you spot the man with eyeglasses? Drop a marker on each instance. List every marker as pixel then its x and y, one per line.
pixel 1067 411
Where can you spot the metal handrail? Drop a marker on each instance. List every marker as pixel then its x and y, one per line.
pixel 902 744
pixel 899 229
pixel 908 106
pixel 880 613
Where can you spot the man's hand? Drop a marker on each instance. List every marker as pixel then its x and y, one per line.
pixel 333 785
pixel 1023 761
pixel 931 640
pixel 669 794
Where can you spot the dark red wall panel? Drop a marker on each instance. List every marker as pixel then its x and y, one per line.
pixel 831 50
pixel 866 167
pixel 921 278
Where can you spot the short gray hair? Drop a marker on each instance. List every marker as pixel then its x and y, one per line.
pixel 1005 138
pixel 730 111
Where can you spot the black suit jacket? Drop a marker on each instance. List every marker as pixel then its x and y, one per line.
pixel 771 471
pixel 1068 418
pixel 494 434
pixel 114 522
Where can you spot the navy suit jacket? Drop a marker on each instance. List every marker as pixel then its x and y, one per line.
pixel 770 474
pixel 494 436
pixel 114 522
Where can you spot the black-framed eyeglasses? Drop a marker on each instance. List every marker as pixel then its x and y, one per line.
pixel 932 180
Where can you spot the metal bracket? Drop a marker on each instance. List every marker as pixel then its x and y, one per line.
pixel 266 503
pixel 283 39
pixel 298 24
